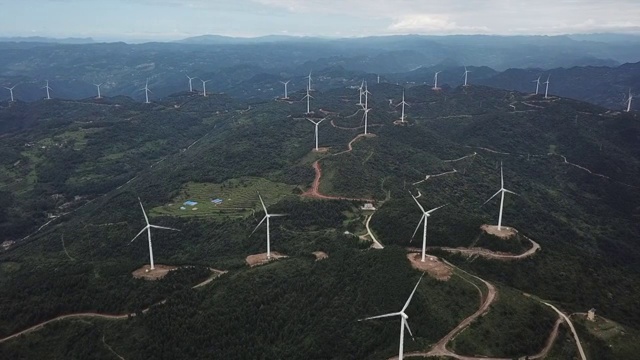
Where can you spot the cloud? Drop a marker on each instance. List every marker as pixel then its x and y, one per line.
pixel 425 23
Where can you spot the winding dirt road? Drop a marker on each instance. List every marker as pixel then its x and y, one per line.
pixel 488 254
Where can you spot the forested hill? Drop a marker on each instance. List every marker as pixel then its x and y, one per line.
pixel 79 167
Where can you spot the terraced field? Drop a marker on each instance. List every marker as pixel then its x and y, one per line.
pixel 239 197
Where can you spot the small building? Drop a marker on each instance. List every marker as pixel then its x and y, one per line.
pixel 591 315
pixel 368 207
pixel 217 201
pixel 190 203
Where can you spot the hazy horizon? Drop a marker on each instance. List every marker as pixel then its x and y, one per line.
pixel 169 20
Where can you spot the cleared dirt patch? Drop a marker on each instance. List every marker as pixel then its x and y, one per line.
pixel 431 265
pixel 156 274
pixel 261 259
pixel 504 233
pixel 321 150
pixel 320 255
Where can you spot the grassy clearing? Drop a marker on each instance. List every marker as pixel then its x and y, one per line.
pixel 238 195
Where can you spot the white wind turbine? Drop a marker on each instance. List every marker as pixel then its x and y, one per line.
pixel 435 80
pixel 309 77
pixel 190 82
pixel 98 86
pixel 366 108
pixel 285 83
pixel 308 97
pixel 146 92
pixel 466 76
pixel 316 124
pixel 403 319
pixel 204 87
pixel 629 99
pixel 537 81
pixel 267 216
pixel 546 91
pixel 502 191
pixel 425 217
pixel 403 103
pixel 361 93
pixel 148 229
pixel 14 86
pixel 48 88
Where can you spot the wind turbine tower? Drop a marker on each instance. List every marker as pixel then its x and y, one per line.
pixel 435 80
pixel 425 217
pixel 466 76
pixel 308 97
pixel 285 83
pixel 309 77
pixel 204 87
pixel 48 88
pixel 403 103
pixel 403 320
pixel 190 82
pixel 366 108
pixel 546 91
pixel 148 229
pixel 98 86
pixel 629 99
pixel 502 191
pixel 361 93
pixel 537 81
pixel 316 124
pixel 14 86
pixel 146 92
pixel 267 216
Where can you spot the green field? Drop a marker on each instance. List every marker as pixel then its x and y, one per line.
pixel 239 197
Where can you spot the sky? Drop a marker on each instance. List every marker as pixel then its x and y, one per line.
pixel 160 20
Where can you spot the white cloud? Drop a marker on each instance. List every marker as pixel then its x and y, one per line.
pixel 438 24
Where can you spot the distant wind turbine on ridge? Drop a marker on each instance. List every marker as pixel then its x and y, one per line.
pixel 308 97
pixel 466 76
pixel 309 77
pixel 537 81
pixel 361 88
pixel 403 103
pixel 546 91
pixel 403 319
pixel 267 216
pixel 98 86
pixel 148 229
pixel 204 87
pixel 366 108
pixel 14 86
pixel 435 80
pixel 190 82
pixel 502 191
pixel 316 124
pixel 629 99
pixel 285 83
pixel 146 92
pixel 425 217
pixel 48 88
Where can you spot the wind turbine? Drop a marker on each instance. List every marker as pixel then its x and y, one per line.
pixel 285 83
pixel 537 81
pixel 309 77
pixel 366 95
pixel 204 87
pixel 267 216
pixel 146 91
pixel 98 86
pixel 435 86
pixel 403 319
pixel 361 93
pixel 14 86
pixel 403 103
pixel 148 229
pixel 425 217
pixel 502 191
pixel 48 88
pixel 190 82
pixel 316 124
pixel 629 99
pixel 308 97
pixel 546 91
pixel 378 78
pixel 466 76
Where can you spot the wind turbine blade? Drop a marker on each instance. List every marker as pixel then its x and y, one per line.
pixel 406 324
pixel 140 233
pixel 163 227
pixel 439 207
pixel 406 305
pixel 260 223
pixel 144 212
pixel 380 316
pixel 510 192
pixel 494 195
pixel 278 215
pixel 263 206
pixel 501 177
pixel 417 227
pixel 416 200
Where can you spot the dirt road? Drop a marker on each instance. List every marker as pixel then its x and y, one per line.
pixel 488 254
